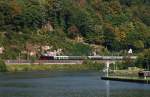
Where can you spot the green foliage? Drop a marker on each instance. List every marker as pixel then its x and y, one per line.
pixel 139 44
pixel 93 65
pixel 3 67
pixel 143 60
pixel 77 49
pixel 54 67
pixel 115 24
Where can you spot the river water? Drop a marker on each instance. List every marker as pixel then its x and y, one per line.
pixel 67 84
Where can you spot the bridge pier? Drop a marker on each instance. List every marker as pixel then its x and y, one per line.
pixel 107 68
pixel 107 63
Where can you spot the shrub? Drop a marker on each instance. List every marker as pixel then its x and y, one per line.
pixel 94 65
pixel 2 66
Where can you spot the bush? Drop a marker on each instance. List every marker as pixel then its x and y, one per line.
pixel 94 65
pixel 143 60
pixel 2 66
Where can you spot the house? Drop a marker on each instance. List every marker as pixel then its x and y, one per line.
pixel 130 51
pixel 45 48
pixel 1 50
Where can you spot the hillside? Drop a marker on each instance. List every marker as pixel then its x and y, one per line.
pixel 78 27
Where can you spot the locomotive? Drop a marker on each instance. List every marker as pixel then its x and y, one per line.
pixel 63 58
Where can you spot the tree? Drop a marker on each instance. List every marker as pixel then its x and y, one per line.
pixel 120 35
pixel 109 36
pixel 15 7
pixel 54 8
pixel 3 67
pixel 73 31
pixel 144 60
pixel 139 45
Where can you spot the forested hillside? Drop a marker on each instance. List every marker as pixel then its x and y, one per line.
pixel 76 26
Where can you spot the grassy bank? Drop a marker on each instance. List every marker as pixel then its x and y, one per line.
pixel 131 71
pixel 54 67
pixel 127 75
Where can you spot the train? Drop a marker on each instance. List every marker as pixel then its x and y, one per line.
pixel 84 57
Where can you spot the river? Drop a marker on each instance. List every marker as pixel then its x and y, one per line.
pixel 67 84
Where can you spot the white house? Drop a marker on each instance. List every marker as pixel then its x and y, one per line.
pixel 1 50
pixel 130 51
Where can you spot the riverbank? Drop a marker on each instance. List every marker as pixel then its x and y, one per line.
pixel 127 79
pixel 127 75
pixel 53 67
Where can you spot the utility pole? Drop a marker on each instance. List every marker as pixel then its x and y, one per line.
pixel 147 63
pixel 19 57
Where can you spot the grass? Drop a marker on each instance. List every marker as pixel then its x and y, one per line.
pixel 54 67
pixel 128 75
pixel 131 71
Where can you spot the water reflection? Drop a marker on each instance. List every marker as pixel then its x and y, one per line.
pixel 108 88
